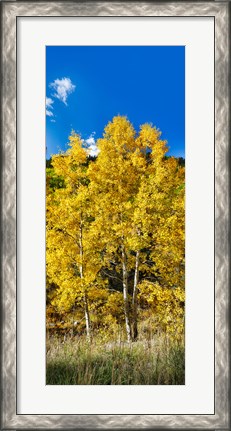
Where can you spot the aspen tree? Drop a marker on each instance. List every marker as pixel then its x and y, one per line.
pixel 71 262
pixel 121 216
pixel 115 180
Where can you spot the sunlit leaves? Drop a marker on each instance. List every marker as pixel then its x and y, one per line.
pixel 102 214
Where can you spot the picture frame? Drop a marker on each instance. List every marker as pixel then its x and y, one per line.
pixel 10 12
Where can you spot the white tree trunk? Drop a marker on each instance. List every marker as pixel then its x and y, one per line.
pixel 85 298
pixel 87 317
pixel 134 297
pixel 125 295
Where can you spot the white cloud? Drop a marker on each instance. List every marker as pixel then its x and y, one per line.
pixel 49 113
pixel 49 103
pixel 90 140
pixel 63 87
pixel 91 145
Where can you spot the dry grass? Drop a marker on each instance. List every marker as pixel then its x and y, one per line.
pixel 76 362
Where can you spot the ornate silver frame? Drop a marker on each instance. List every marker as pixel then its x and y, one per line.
pixel 9 12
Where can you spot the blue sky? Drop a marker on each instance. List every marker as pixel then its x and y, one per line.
pixel 86 86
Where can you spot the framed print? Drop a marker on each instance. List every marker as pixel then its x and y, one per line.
pixel 115 269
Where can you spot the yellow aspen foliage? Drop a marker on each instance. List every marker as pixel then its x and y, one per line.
pixel 165 308
pixel 71 262
pixel 115 230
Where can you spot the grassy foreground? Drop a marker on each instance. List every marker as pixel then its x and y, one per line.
pixel 77 362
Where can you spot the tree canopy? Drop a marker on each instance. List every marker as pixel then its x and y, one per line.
pixel 115 233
